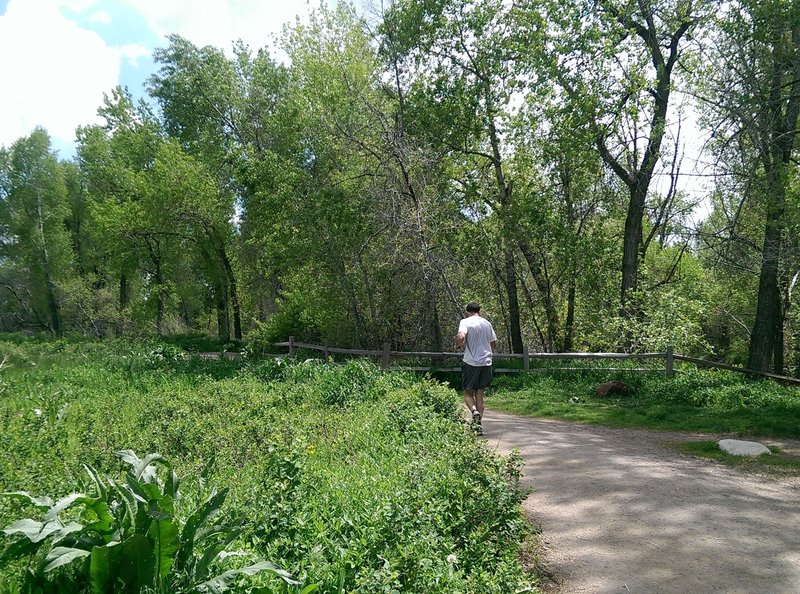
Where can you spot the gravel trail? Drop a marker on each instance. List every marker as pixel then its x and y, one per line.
pixel 622 511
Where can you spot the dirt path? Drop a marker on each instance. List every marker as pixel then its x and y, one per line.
pixel 621 511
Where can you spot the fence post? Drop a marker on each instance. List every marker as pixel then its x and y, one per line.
pixel 670 362
pixel 291 345
pixel 526 359
pixel 327 353
pixel 386 356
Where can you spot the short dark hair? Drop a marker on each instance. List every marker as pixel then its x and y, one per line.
pixel 473 307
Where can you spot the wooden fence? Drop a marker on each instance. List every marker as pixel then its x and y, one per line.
pixel 386 356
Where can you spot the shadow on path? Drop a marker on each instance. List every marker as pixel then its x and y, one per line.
pixel 622 512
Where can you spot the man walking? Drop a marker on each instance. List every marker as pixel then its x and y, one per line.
pixel 476 336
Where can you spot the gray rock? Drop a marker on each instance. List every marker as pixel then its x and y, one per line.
pixel 742 448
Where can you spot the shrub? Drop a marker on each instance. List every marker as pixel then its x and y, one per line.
pixel 128 537
pixel 350 478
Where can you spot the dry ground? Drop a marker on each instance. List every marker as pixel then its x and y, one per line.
pixel 622 510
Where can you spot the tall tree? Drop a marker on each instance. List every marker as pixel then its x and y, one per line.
pixel 155 205
pixel 755 96
pixel 617 60
pixel 34 207
pixel 466 56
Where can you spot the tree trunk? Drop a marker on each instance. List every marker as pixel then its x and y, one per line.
pixel 631 242
pixel 123 291
pixel 544 287
pixel 223 313
pixel 160 306
pixel 569 326
pixel 769 315
pixel 513 302
pixel 637 176
pixel 510 280
pixel 52 306
pixel 777 146
pixel 234 294
pixel 49 286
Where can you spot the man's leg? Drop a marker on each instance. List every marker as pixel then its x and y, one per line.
pixel 479 400
pixel 469 399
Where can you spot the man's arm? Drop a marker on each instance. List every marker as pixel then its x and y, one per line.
pixel 493 344
pixel 460 338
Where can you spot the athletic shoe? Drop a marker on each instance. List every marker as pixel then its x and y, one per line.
pixel 476 415
pixel 478 430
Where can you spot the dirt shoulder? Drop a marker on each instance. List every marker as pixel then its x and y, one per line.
pixel 622 510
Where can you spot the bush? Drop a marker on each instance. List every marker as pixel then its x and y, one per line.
pixel 347 477
pixel 127 537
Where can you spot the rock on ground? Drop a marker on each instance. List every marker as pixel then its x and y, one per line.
pixel 738 447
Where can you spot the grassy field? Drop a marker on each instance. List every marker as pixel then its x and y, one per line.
pixel 693 400
pixel 349 479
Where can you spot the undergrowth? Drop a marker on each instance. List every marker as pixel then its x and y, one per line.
pixel 346 477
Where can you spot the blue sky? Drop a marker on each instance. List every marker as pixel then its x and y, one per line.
pixel 60 56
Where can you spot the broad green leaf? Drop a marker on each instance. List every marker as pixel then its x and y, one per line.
pixel 99 517
pixel 136 566
pixel 61 556
pixel 173 482
pixel 128 456
pixel 16 550
pixel 100 570
pixel 165 537
pixel 131 508
pixel 41 502
pixel 33 530
pixel 99 484
pixel 62 504
pixel 220 583
pixel 212 552
pixel 145 471
pixel 208 509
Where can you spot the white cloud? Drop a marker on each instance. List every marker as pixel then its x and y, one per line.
pixel 132 52
pixel 54 73
pixel 101 16
pixel 221 23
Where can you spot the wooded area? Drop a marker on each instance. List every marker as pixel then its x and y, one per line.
pixel 408 159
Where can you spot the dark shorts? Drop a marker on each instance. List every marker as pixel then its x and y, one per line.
pixel 475 378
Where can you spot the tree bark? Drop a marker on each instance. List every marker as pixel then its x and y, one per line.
pixel 49 286
pixel 510 278
pixel 569 325
pixel 543 285
pixel 223 313
pixel 631 242
pixel 513 301
pixel 123 291
pixel 777 147
pixel 638 176
pixel 769 317
pixel 234 294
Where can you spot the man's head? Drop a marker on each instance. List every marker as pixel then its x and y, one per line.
pixel 473 307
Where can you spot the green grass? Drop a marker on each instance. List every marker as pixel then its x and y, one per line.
pixel 694 400
pixel 347 477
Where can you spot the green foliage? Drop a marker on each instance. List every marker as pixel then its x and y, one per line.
pixel 693 400
pixel 398 167
pixel 344 476
pixel 127 537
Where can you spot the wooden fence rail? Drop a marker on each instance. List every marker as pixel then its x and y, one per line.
pixel 669 357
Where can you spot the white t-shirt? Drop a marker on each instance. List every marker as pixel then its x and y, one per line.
pixel 477 344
